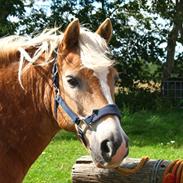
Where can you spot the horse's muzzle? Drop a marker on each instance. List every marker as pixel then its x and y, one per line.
pixel 110 151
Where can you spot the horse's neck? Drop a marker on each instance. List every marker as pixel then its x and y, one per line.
pixel 26 122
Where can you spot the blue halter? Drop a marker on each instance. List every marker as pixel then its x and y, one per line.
pixel 110 109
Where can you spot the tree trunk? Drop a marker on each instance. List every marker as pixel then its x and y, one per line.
pixel 172 38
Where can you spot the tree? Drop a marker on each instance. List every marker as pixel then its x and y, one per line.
pixel 7 9
pixel 137 32
pixel 173 11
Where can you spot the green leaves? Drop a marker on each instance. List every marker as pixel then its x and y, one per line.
pixel 7 9
pixel 140 28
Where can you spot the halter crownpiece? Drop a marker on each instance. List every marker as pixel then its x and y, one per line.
pixel 97 114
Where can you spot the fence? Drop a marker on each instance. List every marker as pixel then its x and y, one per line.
pixel 173 89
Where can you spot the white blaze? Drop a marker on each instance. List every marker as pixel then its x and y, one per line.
pixel 102 76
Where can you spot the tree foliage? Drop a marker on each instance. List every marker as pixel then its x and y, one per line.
pixel 7 9
pixel 140 28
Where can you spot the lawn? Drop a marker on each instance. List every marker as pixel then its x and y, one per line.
pixel 158 135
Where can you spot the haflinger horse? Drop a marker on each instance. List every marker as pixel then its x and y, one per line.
pixel 58 81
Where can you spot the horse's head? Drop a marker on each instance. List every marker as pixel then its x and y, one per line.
pixel 86 84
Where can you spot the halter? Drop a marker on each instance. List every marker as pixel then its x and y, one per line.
pixel 110 109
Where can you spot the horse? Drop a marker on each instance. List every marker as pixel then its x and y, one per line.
pixel 56 81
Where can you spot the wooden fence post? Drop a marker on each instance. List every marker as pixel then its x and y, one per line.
pixel 84 171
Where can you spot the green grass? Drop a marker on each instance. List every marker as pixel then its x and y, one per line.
pixel 55 163
pixel 158 135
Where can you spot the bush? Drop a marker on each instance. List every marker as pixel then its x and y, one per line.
pixel 143 99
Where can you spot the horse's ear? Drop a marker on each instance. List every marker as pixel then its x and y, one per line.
pixel 71 35
pixel 105 30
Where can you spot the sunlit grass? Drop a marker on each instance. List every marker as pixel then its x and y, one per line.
pixel 157 135
pixel 55 163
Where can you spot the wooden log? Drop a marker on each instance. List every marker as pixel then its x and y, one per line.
pixel 85 171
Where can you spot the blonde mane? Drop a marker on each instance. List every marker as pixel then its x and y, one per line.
pixel 93 49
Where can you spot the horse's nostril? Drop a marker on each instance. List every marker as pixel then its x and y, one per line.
pixel 107 149
pixel 105 146
pixel 110 146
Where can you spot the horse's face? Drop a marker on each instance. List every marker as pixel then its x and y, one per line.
pixel 86 88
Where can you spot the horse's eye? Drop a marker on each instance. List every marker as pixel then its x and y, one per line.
pixel 73 82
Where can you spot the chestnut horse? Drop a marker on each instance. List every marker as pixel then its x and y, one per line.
pixel 47 83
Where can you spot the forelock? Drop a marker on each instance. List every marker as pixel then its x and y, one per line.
pixel 93 50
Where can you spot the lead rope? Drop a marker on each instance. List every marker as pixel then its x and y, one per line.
pixel 174 172
pixel 129 171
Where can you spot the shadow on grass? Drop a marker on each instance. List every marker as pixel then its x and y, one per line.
pixel 152 128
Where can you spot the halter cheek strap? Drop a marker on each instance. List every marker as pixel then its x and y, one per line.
pixel 59 101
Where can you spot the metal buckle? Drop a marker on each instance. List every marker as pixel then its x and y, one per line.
pixel 81 132
pixel 81 136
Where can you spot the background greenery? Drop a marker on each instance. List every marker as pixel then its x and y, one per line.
pixel 154 134
pixel 146 33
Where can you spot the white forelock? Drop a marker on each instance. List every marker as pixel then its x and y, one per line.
pixel 93 50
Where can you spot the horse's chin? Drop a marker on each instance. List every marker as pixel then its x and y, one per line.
pixel 107 165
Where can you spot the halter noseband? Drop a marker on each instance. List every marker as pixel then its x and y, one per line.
pixel 110 109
